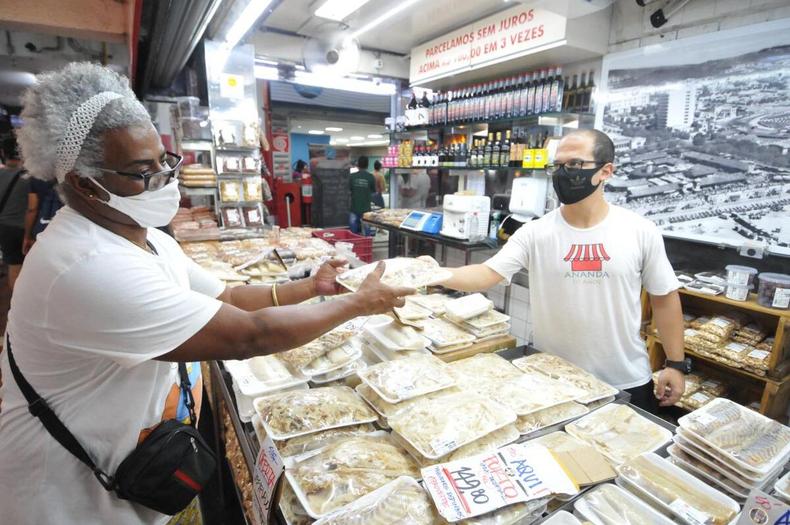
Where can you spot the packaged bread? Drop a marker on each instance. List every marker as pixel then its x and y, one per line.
pixel 713 386
pixel 400 501
pixel 295 413
pixel 719 328
pixel 348 469
pixel 436 427
pixel 387 409
pixel 550 416
pixel 618 432
pixel 396 381
pixel 558 368
pixel 757 359
pixel 678 490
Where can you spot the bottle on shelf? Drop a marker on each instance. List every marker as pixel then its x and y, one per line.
pixel 533 92
pixel 579 94
pixel 496 150
pixel 569 94
pixel 487 152
pixel 557 87
pixel 588 97
pixel 413 101
pixel 504 154
pixel 539 93
pixel 424 102
pixel 547 104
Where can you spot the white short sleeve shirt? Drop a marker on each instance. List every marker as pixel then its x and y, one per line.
pixel 89 314
pixel 585 286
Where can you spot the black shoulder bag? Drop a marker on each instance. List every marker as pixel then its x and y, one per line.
pixel 164 473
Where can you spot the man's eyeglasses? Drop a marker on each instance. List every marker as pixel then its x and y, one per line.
pixel 574 166
pixel 156 180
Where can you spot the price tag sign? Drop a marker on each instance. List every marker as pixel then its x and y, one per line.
pixel 762 509
pixel 269 468
pixel 474 486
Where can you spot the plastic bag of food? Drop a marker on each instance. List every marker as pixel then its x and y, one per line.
pixel 396 381
pixel 347 470
pixel 436 427
pixel 619 433
pixel 299 412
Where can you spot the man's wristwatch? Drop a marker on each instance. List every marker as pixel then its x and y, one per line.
pixel 684 366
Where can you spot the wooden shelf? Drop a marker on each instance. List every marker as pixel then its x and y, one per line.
pixel 750 304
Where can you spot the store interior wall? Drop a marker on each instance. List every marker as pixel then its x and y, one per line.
pixel 300 145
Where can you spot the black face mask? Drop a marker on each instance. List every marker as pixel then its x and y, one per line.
pixel 571 189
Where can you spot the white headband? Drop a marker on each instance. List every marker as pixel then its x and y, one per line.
pixel 80 124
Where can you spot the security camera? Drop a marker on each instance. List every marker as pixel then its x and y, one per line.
pixel 662 16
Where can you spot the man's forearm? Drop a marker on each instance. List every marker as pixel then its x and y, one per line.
pixel 668 318
pixel 256 297
pixel 30 219
pixel 472 278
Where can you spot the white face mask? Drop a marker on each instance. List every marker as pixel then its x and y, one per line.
pixel 149 209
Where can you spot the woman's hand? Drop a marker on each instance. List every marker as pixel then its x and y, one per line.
pixel 376 297
pixel 324 282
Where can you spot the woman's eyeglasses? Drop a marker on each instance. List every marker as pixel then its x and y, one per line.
pixel 159 179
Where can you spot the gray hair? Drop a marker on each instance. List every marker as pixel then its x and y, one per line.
pixel 49 103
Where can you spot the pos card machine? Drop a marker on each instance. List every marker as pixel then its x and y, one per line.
pixel 423 221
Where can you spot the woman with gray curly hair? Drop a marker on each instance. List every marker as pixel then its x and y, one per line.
pixel 106 304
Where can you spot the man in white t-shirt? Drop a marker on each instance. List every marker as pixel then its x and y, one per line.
pixel 107 305
pixel 587 263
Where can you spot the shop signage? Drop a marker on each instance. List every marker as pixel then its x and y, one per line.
pixel 280 142
pixel 512 33
pixel 474 486
pixel 762 509
pixel 269 468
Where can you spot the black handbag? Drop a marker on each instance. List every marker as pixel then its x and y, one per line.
pixel 164 473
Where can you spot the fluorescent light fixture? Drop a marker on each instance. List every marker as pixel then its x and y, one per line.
pixel 344 84
pixel 247 18
pixel 357 137
pixel 341 141
pixel 370 143
pixel 375 136
pixel 332 128
pixel 383 18
pixel 316 132
pixel 266 72
pixel 338 10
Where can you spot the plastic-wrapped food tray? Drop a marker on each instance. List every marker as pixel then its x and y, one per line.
pixel 394 336
pixel 443 333
pixel 436 427
pixel 402 500
pixel 346 470
pixel 386 409
pixel 468 307
pixel 597 506
pixel 686 462
pixel 483 368
pixel 748 440
pixel 401 271
pixel 434 302
pixel 341 373
pixel 411 311
pixel 300 412
pixel 396 381
pixel 559 368
pixel 529 393
pixel 518 514
pixel 449 349
pixel 550 416
pixel 562 517
pixel 487 319
pixel 782 487
pixel 388 355
pixel 247 376
pixel 301 445
pixel 677 491
pixel 335 359
pixel 619 433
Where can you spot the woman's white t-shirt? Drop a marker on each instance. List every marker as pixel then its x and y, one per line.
pixel 89 314
pixel 585 285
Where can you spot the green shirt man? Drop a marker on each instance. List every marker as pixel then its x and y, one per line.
pixel 362 186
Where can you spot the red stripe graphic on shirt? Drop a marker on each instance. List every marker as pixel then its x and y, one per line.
pixel 570 253
pixel 603 252
pixel 587 257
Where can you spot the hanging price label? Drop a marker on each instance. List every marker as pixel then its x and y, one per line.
pixel 269 468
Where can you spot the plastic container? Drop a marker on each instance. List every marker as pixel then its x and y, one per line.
pixel 562 517
pixel 737 292
pixel 774 290
pixel 738 493
pixel 189 107
pixel 588 508
pixel 363 246
pixel 700 455
pixel 740 275
pixel 782 487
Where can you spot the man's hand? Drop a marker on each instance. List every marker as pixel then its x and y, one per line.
pixel 378 298
pixel 324 282
pixel 27 244
pixel 671 385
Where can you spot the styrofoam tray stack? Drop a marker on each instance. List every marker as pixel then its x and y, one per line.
pixel 744 446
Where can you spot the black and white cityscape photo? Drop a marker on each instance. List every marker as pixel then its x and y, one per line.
pixel 703 143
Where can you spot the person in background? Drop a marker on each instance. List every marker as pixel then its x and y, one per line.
pixel 299 169
pixel 414 191
pixel 588 262
pixel 14 188
pixel 381 185
pixel 363 186
pixel 43 202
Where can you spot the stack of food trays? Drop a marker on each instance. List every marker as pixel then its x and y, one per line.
pixel 476 315
pixel 389 339
pixel 782 488
pixel 608 504
pixel 675 491
pixel 731 447
pixel 619 433
pixel 537 400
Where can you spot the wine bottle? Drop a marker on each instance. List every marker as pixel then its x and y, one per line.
pixel 579 94
pixel 424 102
pixel 413 101
pixel 488 150
pixel 567 96
pixel 495 150
pixel 557 88
pixel 589 91
pixel 547 104
pixel 504 155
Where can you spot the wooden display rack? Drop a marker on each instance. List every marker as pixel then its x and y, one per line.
pixel 773 390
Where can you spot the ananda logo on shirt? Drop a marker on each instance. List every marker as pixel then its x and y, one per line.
pixel 587 260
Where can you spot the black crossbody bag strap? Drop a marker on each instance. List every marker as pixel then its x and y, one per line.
pixel 39 408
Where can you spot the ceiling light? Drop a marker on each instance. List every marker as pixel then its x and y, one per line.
pixel 344 84
pixel 331 128
pixel 375 136
pixel 338 10
pixel 357 137
pixel 370 143
pixel 316 132
pixel 341 141
pixel 383 18
pixel 248 16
